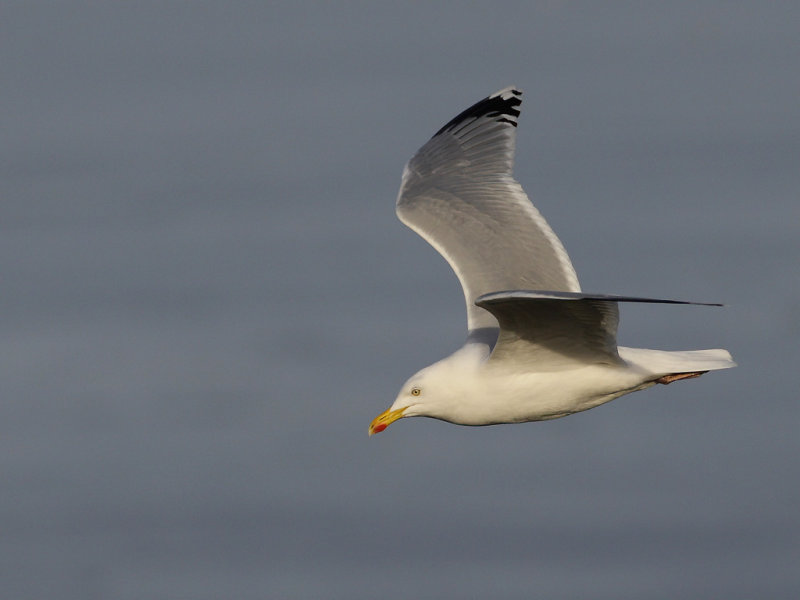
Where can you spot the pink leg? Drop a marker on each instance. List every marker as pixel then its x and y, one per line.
pixel 678 376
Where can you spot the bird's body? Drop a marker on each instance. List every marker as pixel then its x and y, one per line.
pixel 537 347
pixel 467 388
pixel 472 390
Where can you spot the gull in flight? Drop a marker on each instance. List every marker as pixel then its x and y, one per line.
pixel 537 347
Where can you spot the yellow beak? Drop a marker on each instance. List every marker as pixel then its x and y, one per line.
pixel 383 420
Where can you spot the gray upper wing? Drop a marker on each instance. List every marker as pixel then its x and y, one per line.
pixel 554 329
pixel 552 332
pixel 459 195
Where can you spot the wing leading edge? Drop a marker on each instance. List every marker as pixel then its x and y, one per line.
pixel 458 193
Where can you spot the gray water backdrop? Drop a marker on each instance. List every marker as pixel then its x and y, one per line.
pixel 206 297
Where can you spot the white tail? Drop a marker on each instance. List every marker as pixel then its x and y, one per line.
pixel 662 362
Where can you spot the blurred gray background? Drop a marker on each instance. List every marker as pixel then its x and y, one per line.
pixel 206 297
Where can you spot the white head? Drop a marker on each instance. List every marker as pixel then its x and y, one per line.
pixel 410 401
pixel 432 392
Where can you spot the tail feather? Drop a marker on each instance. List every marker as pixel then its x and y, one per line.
pixel 663 362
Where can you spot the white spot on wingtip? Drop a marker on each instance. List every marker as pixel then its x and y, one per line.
pixel 507 93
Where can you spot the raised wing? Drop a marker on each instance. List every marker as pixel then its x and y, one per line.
pixel 459 195
pixel 556 329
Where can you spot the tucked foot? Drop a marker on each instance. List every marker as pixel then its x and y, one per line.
pixel 678 376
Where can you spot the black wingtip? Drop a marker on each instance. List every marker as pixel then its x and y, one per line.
pixel 502 105
pixel 532 295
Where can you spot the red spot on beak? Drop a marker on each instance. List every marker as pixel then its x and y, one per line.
pixel 380 427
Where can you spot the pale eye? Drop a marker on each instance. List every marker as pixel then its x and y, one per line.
pixel 415 391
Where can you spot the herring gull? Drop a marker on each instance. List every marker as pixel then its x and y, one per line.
pixel 537 347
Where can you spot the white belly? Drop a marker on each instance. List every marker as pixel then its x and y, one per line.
pixel 494 396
